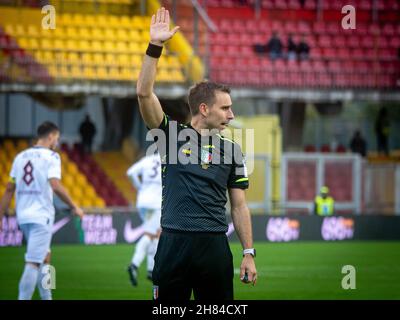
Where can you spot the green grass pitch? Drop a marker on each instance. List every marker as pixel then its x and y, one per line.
pixel 301 270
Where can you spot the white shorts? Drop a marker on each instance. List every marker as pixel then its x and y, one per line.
pixel 151 223
pixel 38 238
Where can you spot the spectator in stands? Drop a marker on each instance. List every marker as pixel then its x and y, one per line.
pixel 324 205
pixel 303 49
pixel 87 129
pixel 382 128
pixel 358 144
pixel 274 46
pixel 291 48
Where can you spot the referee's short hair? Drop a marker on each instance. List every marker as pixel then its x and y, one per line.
pixel 46 128
pixel 204 92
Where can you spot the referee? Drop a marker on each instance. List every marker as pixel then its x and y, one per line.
pixel 193 252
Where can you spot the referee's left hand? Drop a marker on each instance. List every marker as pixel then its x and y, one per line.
pixel 248 267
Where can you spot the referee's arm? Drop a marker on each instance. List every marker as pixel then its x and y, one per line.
pixel 150 107
pixel 242 222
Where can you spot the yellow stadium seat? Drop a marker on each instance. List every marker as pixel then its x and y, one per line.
pixel 123 60
pixel 109 59
pixel 86 203
pixel 134 47
pixel 71 45
pixel 101 20
pixel 99 203
pixel 84 33
pixel 89 191
pixel 61 57
pixel 109 46
pixel 72 33
pixel 9 28
pixel 89 20
pixel 138 23
pixel 145 37
pixel 173 62
pixel 68 180
pixel 96 46
pixel 125 21
pixel 89 73
pixel 163 75
pixel 78 19
pixel 84 45
pixel 23 42
pixel 33 31
pixel 53 70
pixel 58 44
pixel 87 58
pixel 98 58
pixel 102 73
pixel 134 35
pixel 76 193
pixel 64 72
pixel 80 180
pixel 113 21
pixel 177 76
pixel 64 158
pixel 4 179
pixel 73 58
pixel 65 19
pixel 136 60
pixel 136 72
pixel 127 74
pixel 48 56
pixel 109 34
pixel 46 44
pixel 72 168
pixel 121 46
pixel 97 34
pixel 122 35
pixel 114 73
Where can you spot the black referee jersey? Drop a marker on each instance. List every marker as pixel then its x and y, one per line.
pixel 196 173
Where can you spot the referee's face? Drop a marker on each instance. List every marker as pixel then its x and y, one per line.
pixel 220 113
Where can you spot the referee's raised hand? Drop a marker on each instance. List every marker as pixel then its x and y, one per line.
pixel 159 27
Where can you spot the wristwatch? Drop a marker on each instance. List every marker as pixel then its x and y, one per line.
pixel 251 251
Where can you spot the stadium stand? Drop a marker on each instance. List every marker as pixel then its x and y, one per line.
pixel 115 165
pixel 362 58
pixel 73 179
pixel 83 47
pixel 94 174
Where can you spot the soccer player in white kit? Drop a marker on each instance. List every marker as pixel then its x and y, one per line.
pixel 146 177
pixel 35 174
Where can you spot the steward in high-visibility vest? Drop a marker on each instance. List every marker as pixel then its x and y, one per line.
pixel 324 204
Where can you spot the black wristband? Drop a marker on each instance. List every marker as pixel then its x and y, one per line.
pixel 154 51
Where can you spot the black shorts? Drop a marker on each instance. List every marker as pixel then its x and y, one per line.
pixel 201 262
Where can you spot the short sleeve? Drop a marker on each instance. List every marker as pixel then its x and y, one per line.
pixel 238 176
pixel 54 167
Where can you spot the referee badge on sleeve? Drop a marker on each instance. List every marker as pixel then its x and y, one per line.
pixel 206 158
